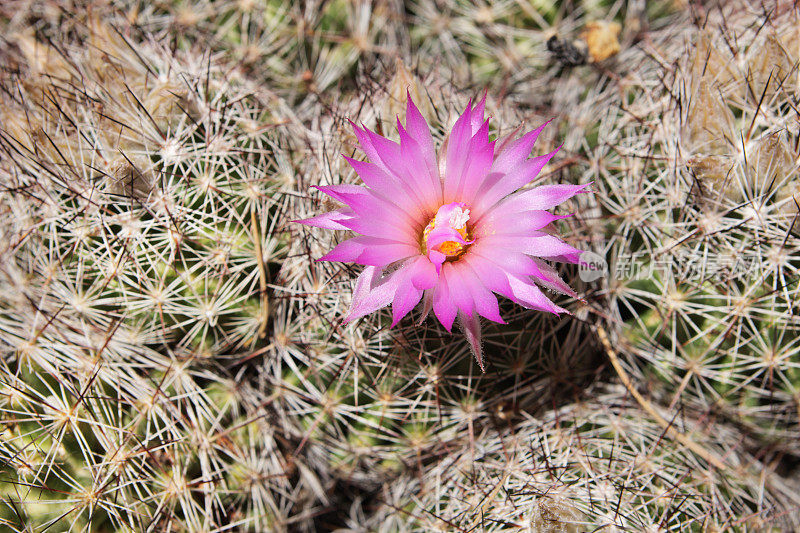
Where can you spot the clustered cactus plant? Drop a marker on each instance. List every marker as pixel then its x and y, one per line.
pixel 704 188
pixel 174 358
pixel 141 240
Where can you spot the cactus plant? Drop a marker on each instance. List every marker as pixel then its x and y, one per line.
pixel 173 357
pixel 598 463
pixel 703 196
pixel 141 240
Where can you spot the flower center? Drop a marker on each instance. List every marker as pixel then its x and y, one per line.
pixel 446 236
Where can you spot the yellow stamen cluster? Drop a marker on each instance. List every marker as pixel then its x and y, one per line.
pixel 448 248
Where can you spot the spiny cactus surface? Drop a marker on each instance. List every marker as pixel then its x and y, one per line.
pixel 140 241
pixel 701 182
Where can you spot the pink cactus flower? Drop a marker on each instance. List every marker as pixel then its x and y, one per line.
pixel 451 231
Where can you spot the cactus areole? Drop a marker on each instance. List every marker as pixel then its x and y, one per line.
pixel 449 229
